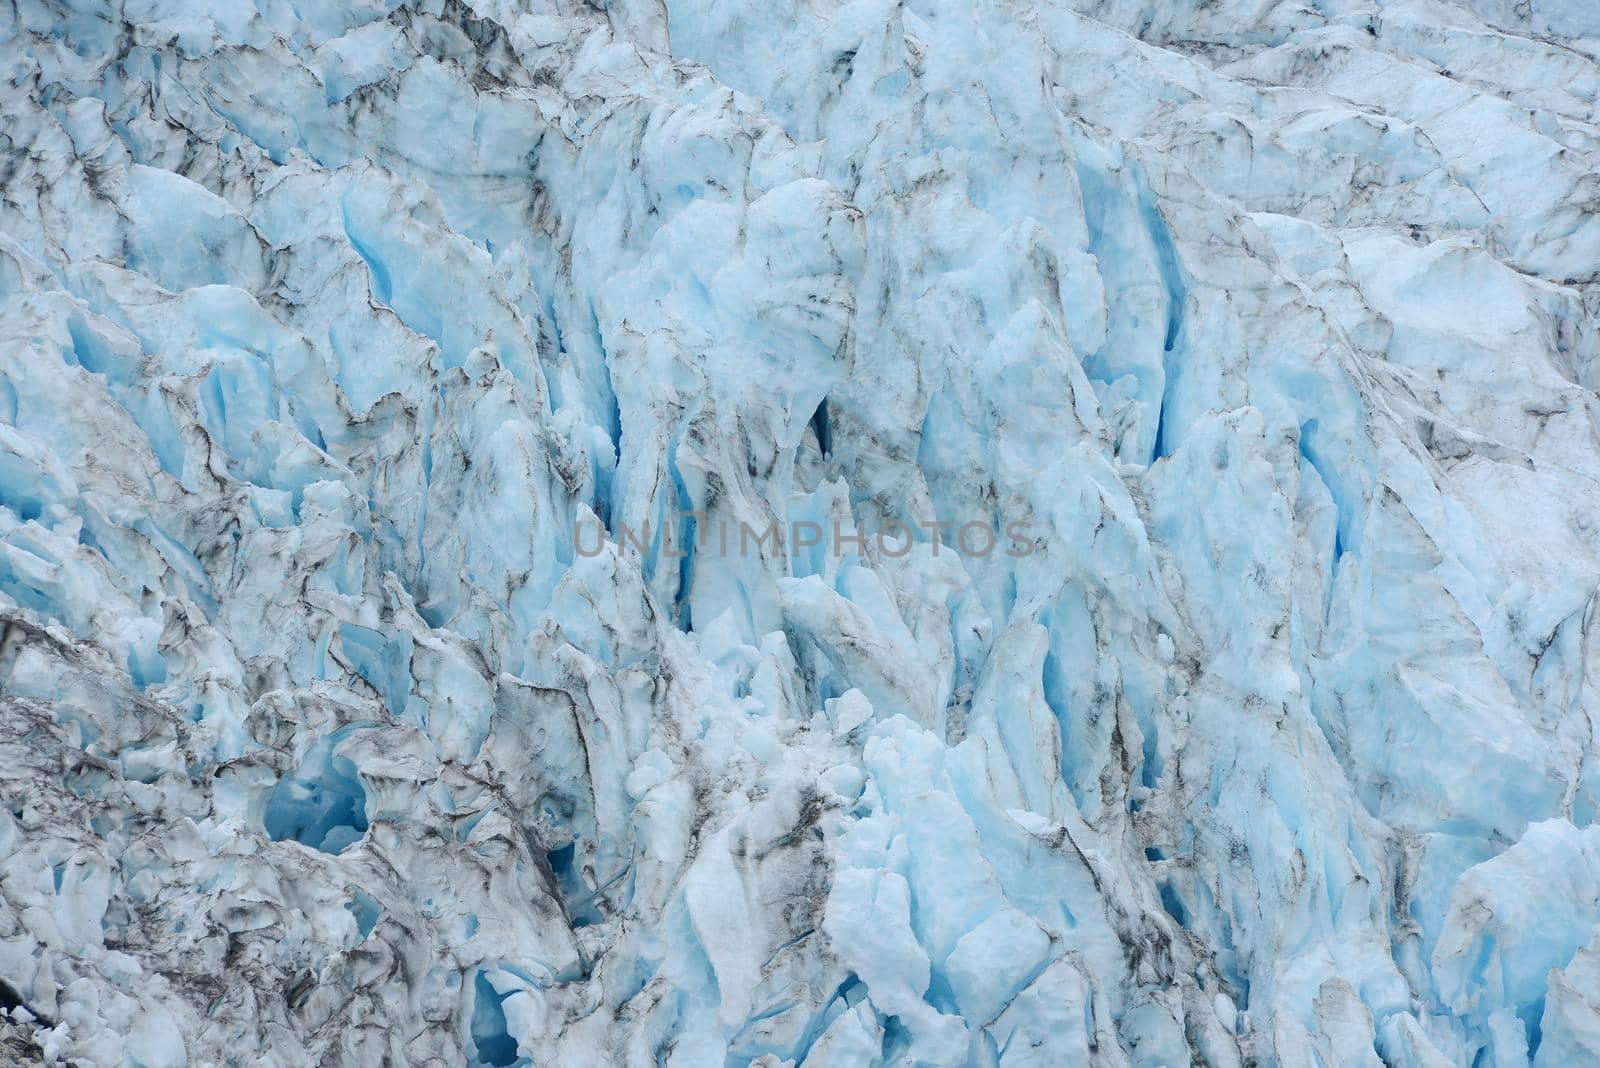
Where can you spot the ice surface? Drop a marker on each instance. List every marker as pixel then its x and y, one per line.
pixel 1259 335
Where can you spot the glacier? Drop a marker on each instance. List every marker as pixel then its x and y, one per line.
pixel 1259 335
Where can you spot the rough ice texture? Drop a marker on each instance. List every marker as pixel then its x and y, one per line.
pixel 323 323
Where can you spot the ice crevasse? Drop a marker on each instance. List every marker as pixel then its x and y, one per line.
pixel 335 335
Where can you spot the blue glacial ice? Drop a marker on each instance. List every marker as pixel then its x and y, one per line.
pixel 380 381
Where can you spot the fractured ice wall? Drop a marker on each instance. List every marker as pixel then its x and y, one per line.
pixel 324 328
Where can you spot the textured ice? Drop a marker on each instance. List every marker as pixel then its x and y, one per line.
pixel 328 329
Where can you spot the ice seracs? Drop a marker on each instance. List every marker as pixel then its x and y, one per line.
pixel 326 331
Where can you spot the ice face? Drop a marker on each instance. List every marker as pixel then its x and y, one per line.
pixel 902 532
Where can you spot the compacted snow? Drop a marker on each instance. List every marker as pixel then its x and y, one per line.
pixel 1169 434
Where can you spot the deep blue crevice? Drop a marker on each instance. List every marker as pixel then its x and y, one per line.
pixel 849 992
pixel 685 544
pixel 382 286
pixel 20 490
pixel 1173 906
pixel 1099 205
pixel 613 405
pixel 1117 202
pixel 1162 448
pixel 603 407
pixel 322 805
pixel 1177 294
pixel 614 426
pixel 364 907
pixel 1150 766
pixel 1313 452
pixel 823 429
pixel 1532 1017
pixel 1227 961
pixel 91 353
pixel 1059 702
pixel 25 594
pixel 491 1038
pixel 146 667
pixel 940 994
pixel 1176 297
pixel 383 662
pixel 579 900
pixel 896 1041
